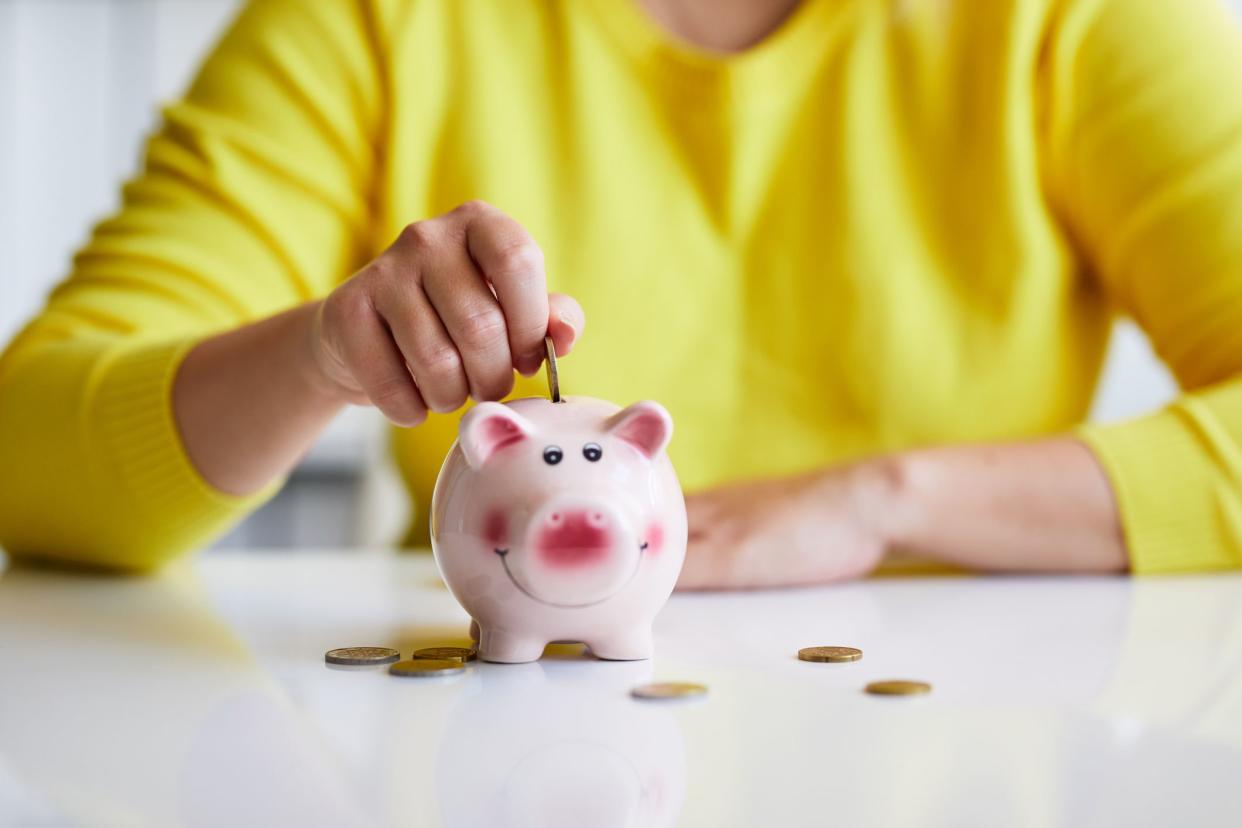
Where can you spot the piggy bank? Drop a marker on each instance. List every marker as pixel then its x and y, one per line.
pixel 560 522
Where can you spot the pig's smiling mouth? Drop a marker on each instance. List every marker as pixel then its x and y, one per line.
pixel 504 562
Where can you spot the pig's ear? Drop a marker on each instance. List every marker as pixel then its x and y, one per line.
pixel 489 427
pixel 645 425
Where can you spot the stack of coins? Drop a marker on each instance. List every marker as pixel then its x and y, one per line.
pixel 462 654
pixel 428 662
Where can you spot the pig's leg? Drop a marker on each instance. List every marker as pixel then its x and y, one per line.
pixel 474 630
pixel 632 645
pixel 507 647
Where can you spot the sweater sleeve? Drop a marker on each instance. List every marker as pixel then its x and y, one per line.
pixel 254 196
pixel 1144 126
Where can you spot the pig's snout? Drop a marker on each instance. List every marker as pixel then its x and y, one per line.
pixel 570 537
pixel 577 551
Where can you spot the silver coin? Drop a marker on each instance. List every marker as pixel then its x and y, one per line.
pixel 355 656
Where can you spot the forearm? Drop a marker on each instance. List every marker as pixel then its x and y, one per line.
pixel 247 403
pixel 1042 506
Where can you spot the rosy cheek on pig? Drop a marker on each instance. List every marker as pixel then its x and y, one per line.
pixel 655 539
pixel 494 529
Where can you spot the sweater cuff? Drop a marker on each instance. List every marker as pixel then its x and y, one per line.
pixel 132 419
pixel 1178 506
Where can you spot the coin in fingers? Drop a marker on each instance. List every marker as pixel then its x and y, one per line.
pixel 554 380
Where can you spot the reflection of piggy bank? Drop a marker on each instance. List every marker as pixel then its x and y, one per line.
pixel 560 522
pixel 559 745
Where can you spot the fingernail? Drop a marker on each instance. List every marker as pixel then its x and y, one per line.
pixel 565 320
pixel 529 364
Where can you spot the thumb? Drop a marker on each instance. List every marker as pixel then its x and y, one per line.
pixel 565 322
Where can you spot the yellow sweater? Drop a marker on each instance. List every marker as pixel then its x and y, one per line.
pixel 893 223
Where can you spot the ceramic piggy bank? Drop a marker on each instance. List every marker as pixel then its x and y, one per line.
pixel 560 522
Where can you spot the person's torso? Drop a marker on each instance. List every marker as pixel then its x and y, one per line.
pixel 833 245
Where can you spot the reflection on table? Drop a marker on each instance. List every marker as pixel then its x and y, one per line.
pixel 199 697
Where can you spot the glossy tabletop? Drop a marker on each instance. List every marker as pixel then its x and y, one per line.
pixel 200 697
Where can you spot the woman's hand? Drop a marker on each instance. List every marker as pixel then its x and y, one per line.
pixel 448 311
pixel 810 529
pixel 1041 506
pixel 451 308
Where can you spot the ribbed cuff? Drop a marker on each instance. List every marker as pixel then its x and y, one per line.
pixel 1175 500
pixel 132 419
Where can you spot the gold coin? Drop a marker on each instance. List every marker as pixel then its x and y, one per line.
pixel 361 655
pixel 829 654
pixel 668 690
pixel 426 668
pixel 898 687
pixel 554 380
pixel 462 654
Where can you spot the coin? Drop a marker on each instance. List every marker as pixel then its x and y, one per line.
pixel 426 668
pixel 554 381
pixel 361 655
pixel 829 654
pixel 462 654
pixel 898 687
pixel 668 690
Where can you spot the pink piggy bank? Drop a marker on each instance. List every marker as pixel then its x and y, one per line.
pixel 560 522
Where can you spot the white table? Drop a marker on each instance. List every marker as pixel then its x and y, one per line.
pixel 201 698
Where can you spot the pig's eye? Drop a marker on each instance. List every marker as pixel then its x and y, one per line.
pixel 592 451
pixel 552 455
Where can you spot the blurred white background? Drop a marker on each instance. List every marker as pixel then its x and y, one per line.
pixel 80 85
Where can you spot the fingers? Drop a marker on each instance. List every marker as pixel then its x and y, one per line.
pixel 474 321
pixel 372 357
pixel 565 322
pixel 712 546
pixel 698 571
pixel 702 509
pixel 703 568
pixel 447 312
pixel 425 345
pixel 510 260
